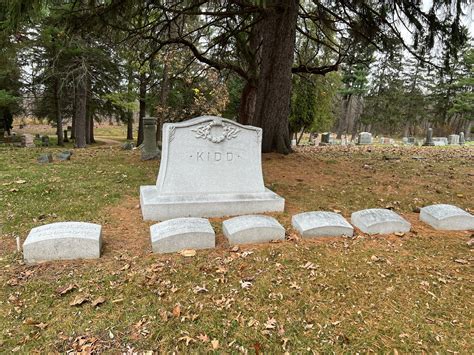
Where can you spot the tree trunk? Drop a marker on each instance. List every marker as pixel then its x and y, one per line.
pixel 165 90
pixel 274 84
pixel 91 128
pixel 74 112
pixel 248 100
pixel 81 113
pixel 129 115
pixel 142 112
pixel 57 108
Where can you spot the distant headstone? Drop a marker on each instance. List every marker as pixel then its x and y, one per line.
pixel 65 137
pixel 63 241
pixel 429 138
pixel 210 167
pixel 364 138
pixel 379 221
pixel 37 136
pixel 440 141
pixel 325 137
pixel 411 140
pixel 66 155
pixel 321 224
pixel 453 139
pixel 128 146
pixel 45 141
pixel 27 140
pixel 405 140
pixel 45 158
pixel 462 141
pixel 447 217
pixel 150 149
pixel 252 229
pixel 294 142
pixel 182 233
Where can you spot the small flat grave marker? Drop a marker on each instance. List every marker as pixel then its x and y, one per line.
pixel 252 229
pixel 63 241
pixel 182 233
pixel 447 217
pixel 321 224
pixel 379 221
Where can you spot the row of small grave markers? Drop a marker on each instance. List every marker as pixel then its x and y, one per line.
pixel 80 240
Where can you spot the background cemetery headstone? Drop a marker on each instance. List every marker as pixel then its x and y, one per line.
pixel 462 141
pixel 453 139
pixel 149 149
pixel 252 229
pixel 210 167
pixel 364 138
pixel 429 137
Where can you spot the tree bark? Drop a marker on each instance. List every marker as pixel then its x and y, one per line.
pixel 74 112
pixel 81 114
pixel 274 84
pixel 142 111
pixel 129 115
pixel 57 108
pixel 248 100
pixel 164 94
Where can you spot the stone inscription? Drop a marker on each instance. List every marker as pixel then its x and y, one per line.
pixel 214 156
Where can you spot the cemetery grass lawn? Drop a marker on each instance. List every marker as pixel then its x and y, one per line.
pixel 407 293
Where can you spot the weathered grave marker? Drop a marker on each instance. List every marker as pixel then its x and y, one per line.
pixel 182 233
pixel 379 221
pixel 364 138
pixel 252 229
pixel 453 139
pixel 321 224
pixel 210 167
pixel 63 241
pixel 447 217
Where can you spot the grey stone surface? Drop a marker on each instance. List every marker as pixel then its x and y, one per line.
pixel 150 149
pixel 447 217
pixel 210 167
pixel 453 139
pixel 462 141
pixel 379 221
pixel 321 224
pixel 252 229
pixel 45 158
pixel 27 140
pixel 128 146
pixel 63 241
pixel 364 138
pixel 429 137
pixel 440 141
pixel 66 155
pixel 45 141
pixel 182 233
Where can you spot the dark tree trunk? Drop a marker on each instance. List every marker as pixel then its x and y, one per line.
pixel 165 90
pixel 142 112
pixel 91 129
pixel 74 112
pixel 274 84
pixel 248 100
pixel 81 113
pixel 129 116
pixel 57 108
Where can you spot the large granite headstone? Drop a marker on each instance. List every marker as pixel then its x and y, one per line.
pixel 462 141
pixel 63 241
pixel 364 138
pixel 447 217
pixel 252 229
pixel 210 167
pixel 429 138
pixel 182 233
pixel 379 221
pixel 321 224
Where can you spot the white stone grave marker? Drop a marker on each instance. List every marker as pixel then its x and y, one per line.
pixel 379 221
pixel 63 241
pixel 252 229
pixel 182 233
pixel 321 224
pixel 447 217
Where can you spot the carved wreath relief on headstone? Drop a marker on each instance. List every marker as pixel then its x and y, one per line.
pixel 205 131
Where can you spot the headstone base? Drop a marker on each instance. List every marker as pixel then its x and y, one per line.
pixel 158 207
